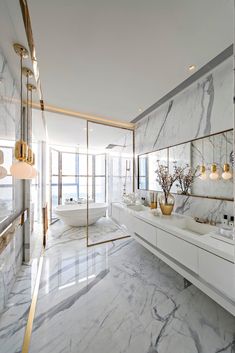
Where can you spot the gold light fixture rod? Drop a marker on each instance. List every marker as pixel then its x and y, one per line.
pixel 31 87
pixel 27 72
pixel 21 50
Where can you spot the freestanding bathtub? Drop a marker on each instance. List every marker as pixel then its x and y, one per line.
pixel 76 215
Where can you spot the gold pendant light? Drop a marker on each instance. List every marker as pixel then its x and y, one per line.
pixel 31 155
pixel 21 169
pixel 203 173
pixel 214 175
pixel 226 175
pixel 28 73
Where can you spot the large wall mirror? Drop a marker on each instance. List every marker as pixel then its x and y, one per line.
pixel 213 152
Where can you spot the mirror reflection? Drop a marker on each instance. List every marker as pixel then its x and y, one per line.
pixel 206 164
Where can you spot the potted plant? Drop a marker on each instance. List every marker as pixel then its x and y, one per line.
pixel 166 181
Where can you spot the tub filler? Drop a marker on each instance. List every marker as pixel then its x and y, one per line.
pixel 76 215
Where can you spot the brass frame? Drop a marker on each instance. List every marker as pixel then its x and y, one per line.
pixel 9 231
pixel 32 310
pixel 178 144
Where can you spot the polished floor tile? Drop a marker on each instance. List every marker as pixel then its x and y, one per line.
pixel 118 297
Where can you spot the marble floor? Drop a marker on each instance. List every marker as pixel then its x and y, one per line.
pixel 105 229
pixel 118 297
pixel 115 297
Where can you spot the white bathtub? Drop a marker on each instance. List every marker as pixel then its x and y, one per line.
pixel 76 215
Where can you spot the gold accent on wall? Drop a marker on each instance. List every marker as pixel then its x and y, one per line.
pixel 8 233
pixel 32 310
pixel 86 116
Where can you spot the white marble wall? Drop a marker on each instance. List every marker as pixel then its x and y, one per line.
pixel 204 108
pixel 11 257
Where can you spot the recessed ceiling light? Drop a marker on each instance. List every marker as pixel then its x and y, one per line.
pixel 192 67
pixel 140 110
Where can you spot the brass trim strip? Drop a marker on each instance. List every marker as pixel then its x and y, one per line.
pixel 108 241
pixel 32 310
pixel 8 233
pixel 82 115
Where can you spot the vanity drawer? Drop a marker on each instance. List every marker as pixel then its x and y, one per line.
pixel 146 231
pixel 218 272
pixel 178 249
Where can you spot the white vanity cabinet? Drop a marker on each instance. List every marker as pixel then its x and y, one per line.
pixel 145 231
pixel 218 272
pixel 178 249
pixel 192 258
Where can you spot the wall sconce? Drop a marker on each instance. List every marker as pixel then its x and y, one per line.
pixel 21 169
pixel 3 171
pixel 226 175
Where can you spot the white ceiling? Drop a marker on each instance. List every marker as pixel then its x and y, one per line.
pixel 111 57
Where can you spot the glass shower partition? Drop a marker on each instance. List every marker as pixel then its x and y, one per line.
pixel 111 149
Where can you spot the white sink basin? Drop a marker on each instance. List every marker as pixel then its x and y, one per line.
pixel 136 207
pixel 191 226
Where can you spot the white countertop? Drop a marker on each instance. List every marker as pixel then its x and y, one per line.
pixel 169 224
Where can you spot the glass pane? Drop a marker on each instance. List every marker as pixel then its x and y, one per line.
pixel 54 162
pixel 82 170
pixel 6 195
pixel 83 187
pixel 69 164
pixel 69 188
pixel 116 166
pixel 100 189
pixel 54 195
pixel 100 164
pixel 142 183
pixel 8 153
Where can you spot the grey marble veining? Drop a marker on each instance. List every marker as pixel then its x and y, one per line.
pixel 119 297
pixel 204 108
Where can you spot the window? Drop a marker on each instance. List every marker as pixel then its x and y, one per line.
pixel 69 177
pixel 6 184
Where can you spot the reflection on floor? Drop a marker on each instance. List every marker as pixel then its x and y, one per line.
pixel 118 297
pixel 112 298
pixel 14 318
pixel 103 230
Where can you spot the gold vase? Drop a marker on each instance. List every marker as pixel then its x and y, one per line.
pixel 166 203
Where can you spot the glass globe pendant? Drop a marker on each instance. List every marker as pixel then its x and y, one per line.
pixel 203 174
pixel 226 175
pixel 214 175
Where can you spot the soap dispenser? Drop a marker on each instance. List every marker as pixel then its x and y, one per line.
pixel 224 221
pixel 231 222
